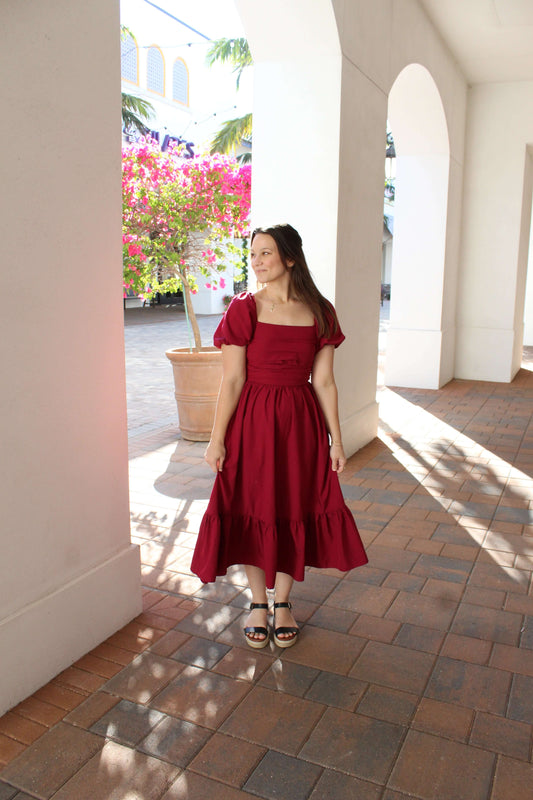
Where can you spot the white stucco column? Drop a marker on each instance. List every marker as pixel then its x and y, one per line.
pixel 298 144
pixel 69 576
pixel 497 218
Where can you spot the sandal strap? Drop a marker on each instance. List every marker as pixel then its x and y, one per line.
pixel 283 605
pixel 294 631
pixel 258 605
pixel 256 630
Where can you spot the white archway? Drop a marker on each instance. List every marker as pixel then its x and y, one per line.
pixel 420 342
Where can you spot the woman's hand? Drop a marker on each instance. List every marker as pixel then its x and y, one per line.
pixel 338 459
pixel 215 455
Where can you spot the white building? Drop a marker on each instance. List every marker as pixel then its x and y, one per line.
pixel 456 82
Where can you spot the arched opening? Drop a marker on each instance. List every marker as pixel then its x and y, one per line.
pixel 420 337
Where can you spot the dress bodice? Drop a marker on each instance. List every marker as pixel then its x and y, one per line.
pixel 281 354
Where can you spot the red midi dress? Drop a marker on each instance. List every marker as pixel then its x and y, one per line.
pixel 277 504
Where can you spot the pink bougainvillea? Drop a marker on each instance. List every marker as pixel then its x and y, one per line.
pixel 180 217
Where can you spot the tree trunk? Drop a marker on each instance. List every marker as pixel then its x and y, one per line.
pixel 190 312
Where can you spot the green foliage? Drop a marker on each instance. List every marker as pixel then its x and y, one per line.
pixel 233 51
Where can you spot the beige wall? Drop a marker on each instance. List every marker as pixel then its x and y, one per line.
pixel 68 574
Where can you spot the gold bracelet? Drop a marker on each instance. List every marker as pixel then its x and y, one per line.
pixel 332 442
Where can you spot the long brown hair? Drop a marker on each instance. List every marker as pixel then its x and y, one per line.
pixel 289 244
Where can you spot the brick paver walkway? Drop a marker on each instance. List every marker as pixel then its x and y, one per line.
pixel 413 677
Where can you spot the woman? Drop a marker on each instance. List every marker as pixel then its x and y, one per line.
pixel 276 505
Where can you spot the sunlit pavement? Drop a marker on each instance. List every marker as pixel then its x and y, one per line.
pixel 413 676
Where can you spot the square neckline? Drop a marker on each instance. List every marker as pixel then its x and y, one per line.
pixel 277 324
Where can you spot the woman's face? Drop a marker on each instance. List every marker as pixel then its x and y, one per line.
pixel 265 258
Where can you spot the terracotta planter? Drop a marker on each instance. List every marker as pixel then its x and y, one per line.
pixel 197 379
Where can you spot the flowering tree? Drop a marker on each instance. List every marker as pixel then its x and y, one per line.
pixel 180 216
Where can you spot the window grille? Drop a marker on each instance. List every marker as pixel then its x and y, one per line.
pixel 128 59
pixel 180 82
pixel 155 71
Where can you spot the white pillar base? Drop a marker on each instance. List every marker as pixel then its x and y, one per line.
pixel 413 358
pixel 485 354
pixel 47 636
pixel 360 428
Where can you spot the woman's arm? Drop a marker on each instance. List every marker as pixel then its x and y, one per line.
pixel 323 382
pixel 233 378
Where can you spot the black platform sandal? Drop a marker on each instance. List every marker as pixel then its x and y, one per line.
pixel 295 632
pixel 258 644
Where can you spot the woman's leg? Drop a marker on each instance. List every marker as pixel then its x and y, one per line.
pixel 284 618
pixel 257 584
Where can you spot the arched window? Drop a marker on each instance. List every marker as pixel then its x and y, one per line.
pixel 129 59
pixel 180 82
pixel 155 71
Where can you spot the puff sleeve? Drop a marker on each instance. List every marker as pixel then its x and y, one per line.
pixel 238 323
pixel 335 339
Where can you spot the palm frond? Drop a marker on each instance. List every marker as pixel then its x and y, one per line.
pixel 135 112
pixel 234 51
pixel 231 134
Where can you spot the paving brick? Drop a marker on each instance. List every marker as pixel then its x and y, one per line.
pixel 466 648
pixel 511 778
pixel 387 704
pixel 60 696
pixel 488 598
pixel 362 598
pixel 54 758
pixel 443 719
pixel 118 772
pixel 502 735
pixel 244 665
pixel 521 699
pixel 274 719
pixel 227 759
pixel 325 650
pixel 209 620
pixel 100 666
pixel 470 685
pixel 285 676
pixel 169 643
pixel 127 722
pixel 401 580
pixel 7 792
pixel 334 785
pixel 416 637
pixel 279 776
pixel 423 769
pixel 91 710
pixel 202 697
pixel 143 678
pixel 369 627
pixel 492 576
pixel 514 659
pixel 21 729
pixel 174 740
pixel 487 623
pixel 44 713
pixel 190 786
pixel 391 559
pixel 449 569
pixel 116 655
pixel 396 667
pixel 9 749
pixel 336 690
pixel 361 746
pixel 201 652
